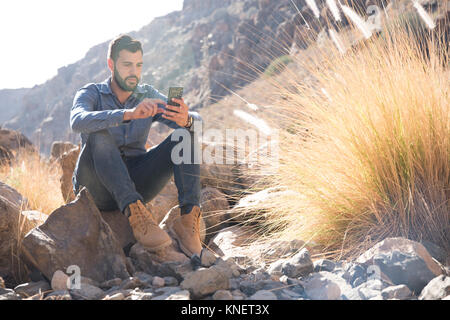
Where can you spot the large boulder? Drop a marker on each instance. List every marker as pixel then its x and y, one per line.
pixel 403 261
pixel 15 141
pixel 13 196
pixel 120 227
pixel 76 234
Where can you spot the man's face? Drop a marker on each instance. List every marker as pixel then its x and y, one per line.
pixel 127 69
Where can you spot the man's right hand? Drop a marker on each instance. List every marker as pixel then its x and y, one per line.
pixel 147 108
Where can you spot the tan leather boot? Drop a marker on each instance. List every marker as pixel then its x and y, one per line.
pixel 145 229
pixel 186 230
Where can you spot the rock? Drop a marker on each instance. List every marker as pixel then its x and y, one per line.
pixel 58 148
pixel 87 292
pixel 13 227
pixel 324 265
pixel 401 292
pixel 238 295
pixel 175 213
pixel 34 218
pixel 67 161
pixel 263 295
pixel 250 287
pixel 15 141
pixel 402 261
pixel 165 200
pixel 2 283
pixel 230 242
pixel 205 281
pixel 75 234
pixel 59 281
pixel 180 295
pixel 145 278
pixel 120 226
pixel 170 281
pixel 132 283
pixel 164 263
pixel 325 285
pixel 436 252
pixel 116 296
pixel 12 195
pixel 31 288
pixel 207 258
pixel 164 292
pixel 158 282
pixel 111 283
pixel 6 156
pixel 214 208
pixel 59 295
pixel 299 265
pixel 222 295
pixel 436 289
pixel 8 294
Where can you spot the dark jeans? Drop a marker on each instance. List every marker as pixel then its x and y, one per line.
pixel 115 181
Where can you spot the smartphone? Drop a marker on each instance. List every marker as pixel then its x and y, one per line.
pixel 174 92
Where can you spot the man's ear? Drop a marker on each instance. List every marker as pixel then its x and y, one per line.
pixel 111 64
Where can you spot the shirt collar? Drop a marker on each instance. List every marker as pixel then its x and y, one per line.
pixel 105 87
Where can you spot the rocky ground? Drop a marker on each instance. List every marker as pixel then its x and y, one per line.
pixel 79 240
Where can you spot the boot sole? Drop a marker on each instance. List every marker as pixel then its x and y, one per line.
pixel 185 250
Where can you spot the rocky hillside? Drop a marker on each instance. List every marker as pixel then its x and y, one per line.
pixel 208 47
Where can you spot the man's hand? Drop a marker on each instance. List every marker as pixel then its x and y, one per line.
pixel 179 115
pixel 147 108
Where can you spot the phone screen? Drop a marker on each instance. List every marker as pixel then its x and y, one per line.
pixel 174 92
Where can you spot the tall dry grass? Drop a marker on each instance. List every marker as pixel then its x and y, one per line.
pixel 365 146
pixel 35 179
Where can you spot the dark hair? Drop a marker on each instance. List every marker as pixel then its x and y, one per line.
pixel 122 42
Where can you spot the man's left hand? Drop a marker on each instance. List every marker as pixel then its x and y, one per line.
pixel 179 115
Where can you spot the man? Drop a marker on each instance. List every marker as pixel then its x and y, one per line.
pixel 114 118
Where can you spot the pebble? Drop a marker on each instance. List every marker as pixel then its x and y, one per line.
pixel 222 295
pixel 158 282
pixel 263 295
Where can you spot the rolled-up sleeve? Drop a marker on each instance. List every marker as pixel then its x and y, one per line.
pixel 82 117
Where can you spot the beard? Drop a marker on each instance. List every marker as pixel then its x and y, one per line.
pixel 122 83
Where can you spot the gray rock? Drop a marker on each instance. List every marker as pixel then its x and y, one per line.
pixel 287 294
pixel 87 292
pixel 263 295
pixel 207 258
pixel 396 292
pixel 9 294
pixel 402 261
pixel 222 295
pixel 324 265
pixel 249 287
pixel 111 283
pixel 76 234
pixel 132 283
pixel 238 295
pixel 59 295
pixel 299 265
pixel 325 285
pixel 180 295
pixel 436 289
pixel 144 277
pixel 206 281
pixel 164 292
pixel 170 281
pixel 59 281
pixel 367 293
pixel 115 296
pixel 31 288
pixel 158 282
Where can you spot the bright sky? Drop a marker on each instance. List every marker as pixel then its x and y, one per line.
pixel 39 36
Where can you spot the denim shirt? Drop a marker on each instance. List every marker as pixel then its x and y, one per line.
pixel 94 110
